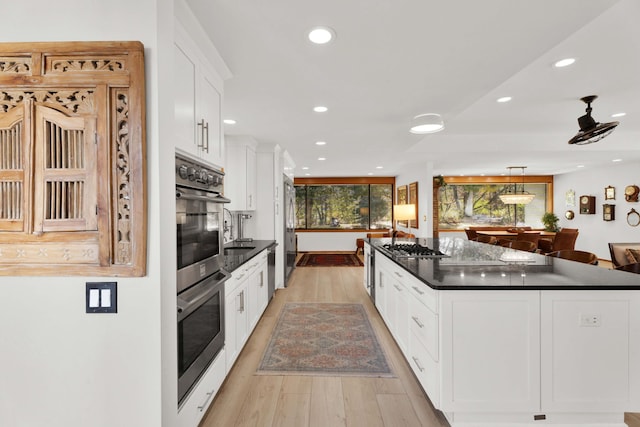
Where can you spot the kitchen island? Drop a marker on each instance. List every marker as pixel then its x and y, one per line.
pixel 499 337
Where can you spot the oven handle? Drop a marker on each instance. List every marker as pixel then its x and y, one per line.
pixel 186 306
pixel 217 199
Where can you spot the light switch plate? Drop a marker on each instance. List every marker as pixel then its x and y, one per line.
pixel 101 297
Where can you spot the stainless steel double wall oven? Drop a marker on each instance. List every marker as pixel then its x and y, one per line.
pixel 200 272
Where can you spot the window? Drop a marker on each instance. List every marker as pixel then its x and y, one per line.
pixel 471 201
pixel 344 204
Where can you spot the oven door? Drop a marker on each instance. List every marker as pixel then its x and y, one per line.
pixel 199 240
pixel 200 329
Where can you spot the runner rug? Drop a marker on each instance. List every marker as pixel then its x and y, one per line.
pixel 324 339
pixel 329 260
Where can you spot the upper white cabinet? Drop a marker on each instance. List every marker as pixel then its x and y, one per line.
pixel 241 177
pixel 198 102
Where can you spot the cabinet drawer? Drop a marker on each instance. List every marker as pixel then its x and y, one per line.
pixel 201 396
pixel 424 325
pixel 426 370
pixel 423 293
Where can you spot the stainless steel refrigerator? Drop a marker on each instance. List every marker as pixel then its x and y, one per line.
pixel 290 249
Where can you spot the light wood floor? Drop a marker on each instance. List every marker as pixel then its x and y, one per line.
pixel 247 399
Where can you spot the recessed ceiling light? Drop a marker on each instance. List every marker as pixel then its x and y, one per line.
pixel 370 173
pixel 229 122
pixel 504 99
pixel 618 114
pixel 564 62
pixel 307 174
pixel 616 160
pixel 320 109
pixel 379 167
pixel 321 143
pixel 580 166
pixel 322 158
pixel 321 35
pixel 304 168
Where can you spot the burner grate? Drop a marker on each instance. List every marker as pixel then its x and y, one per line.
pixel 412 250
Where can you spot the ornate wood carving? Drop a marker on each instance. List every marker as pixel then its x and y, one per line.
pixel 76 101
pixel 15 65
pixel 72 155
pixel 123 218
pixel 65 65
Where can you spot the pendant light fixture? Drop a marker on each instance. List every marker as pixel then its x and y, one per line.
pixel 590 130
pixel 513 196
pixel 426 123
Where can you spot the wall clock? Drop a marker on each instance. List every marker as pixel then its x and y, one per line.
pixel 633 218
pixel 608 212
pixel 631 193
pixel 610 193
pixel 587 205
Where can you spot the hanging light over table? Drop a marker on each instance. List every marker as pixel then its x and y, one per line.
pixel 513 196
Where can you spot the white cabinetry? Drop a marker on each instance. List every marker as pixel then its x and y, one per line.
pixel 516 357
pixel 195 406
pixel 236 318
pixel 198 102
pixel 246 295
pixel 241 177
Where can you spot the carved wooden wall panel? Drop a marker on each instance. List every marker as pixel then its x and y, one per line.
pixel 72 159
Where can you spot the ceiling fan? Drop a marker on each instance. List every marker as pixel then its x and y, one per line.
pixel 590 130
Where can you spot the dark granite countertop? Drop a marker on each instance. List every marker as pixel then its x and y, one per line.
pixel 235 260
pixel 478 266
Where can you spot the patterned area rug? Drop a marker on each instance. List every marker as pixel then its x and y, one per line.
pixel 324 339
pixel 329 260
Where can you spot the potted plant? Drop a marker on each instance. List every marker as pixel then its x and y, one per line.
pixel 550 221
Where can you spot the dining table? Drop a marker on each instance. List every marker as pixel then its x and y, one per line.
pixel 512 235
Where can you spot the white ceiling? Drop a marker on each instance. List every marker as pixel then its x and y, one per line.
pixel 392 60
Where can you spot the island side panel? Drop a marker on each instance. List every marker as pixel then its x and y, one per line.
pixel 590 351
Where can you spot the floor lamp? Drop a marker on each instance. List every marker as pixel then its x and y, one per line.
pixel 404 213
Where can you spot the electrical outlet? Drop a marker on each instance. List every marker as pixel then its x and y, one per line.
pixel 590 320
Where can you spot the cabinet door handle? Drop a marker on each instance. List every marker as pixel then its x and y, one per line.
pixel 415 359
pixel 208 396
pixel 415 319
pixel 415 288
pixel 206 132
pixel 398 288
pixel 261 279
pixel 242 302
pixel 201 126
pixel 398 274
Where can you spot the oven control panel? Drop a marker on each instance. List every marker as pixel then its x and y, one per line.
pixel 194 174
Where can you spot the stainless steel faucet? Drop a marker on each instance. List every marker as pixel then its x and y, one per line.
pixel 241 238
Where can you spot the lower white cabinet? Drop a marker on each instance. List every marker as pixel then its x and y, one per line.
pixel 201 396
pixel 246 295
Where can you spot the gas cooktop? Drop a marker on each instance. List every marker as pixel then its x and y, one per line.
pixel 412 250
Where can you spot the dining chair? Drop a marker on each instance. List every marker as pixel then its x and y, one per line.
pixel 522 245
pixel 471 234
pixel 486 239
pixel 631 268
pixel 530 236
pixel 619 255
pixel 575 255
pixel 564 239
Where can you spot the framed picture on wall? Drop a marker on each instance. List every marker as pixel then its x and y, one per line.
pixel 402 200
pixel 413 198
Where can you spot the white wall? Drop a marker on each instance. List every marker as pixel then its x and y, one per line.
pixel 58 365
pixel 595 233
pixel 423 175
